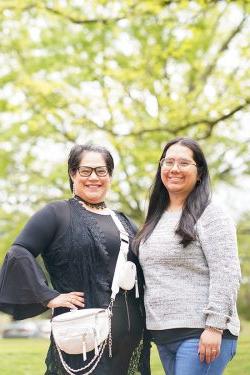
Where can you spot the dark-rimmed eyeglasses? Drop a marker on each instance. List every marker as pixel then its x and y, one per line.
pixel 85 171
pixel 168 164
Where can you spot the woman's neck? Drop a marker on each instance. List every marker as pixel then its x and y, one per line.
pixel 99 208
pixel 176 203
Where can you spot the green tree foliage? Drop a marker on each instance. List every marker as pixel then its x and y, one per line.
pixel 131 74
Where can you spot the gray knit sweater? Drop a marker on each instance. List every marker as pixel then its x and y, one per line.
pixel 194 286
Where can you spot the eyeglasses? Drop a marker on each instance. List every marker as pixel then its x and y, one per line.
pixel 181 164
pixel 101 171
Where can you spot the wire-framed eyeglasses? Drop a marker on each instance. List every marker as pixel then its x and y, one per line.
pixel 85 171
pixel 168 164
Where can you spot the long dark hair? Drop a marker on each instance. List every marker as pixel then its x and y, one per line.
pixel 195 203
pixel 76 154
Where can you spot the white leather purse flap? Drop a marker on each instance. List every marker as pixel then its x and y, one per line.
pixel 127 276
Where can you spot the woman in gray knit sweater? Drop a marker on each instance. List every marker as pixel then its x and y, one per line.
pixel 188 252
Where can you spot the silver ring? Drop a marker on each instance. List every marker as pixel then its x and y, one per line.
pixel 214 350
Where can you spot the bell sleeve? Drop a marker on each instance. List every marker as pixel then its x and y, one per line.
pixel 24 290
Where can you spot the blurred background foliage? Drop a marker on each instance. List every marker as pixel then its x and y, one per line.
pixel 127 74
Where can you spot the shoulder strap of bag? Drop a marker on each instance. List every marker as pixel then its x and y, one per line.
pixel 123 234
pixel 122 256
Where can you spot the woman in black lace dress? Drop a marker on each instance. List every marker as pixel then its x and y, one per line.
pixel 79 244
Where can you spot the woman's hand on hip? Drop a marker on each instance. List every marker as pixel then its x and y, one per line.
pixel 71 300
pixel 209 345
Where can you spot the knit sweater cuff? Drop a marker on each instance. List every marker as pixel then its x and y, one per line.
pixel 216 320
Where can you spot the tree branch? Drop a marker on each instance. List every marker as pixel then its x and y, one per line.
pixel 222 49
pixel 81 21
pixel 209 123
pixel 175 129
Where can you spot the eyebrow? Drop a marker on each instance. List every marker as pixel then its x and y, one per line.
pixel 181 159
pixel 88 166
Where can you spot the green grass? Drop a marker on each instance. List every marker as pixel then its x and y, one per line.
pixel 26 356
pixel 22 356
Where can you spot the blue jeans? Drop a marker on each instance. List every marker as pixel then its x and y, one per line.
pixel 181 358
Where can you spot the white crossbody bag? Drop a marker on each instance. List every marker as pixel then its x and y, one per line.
pixel 86 330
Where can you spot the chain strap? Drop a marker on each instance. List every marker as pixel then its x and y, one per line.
pixel 110 309
pixel 96 358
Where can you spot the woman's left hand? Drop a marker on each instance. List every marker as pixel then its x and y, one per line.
pixel 209 345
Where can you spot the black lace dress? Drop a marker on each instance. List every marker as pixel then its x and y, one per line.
pixel 79 250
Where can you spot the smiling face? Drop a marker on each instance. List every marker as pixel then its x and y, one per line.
pixel 179 181
pixel 93 188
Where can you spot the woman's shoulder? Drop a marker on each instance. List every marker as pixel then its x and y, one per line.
pixel 52 211
pixel 215 212
pixel 56 206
